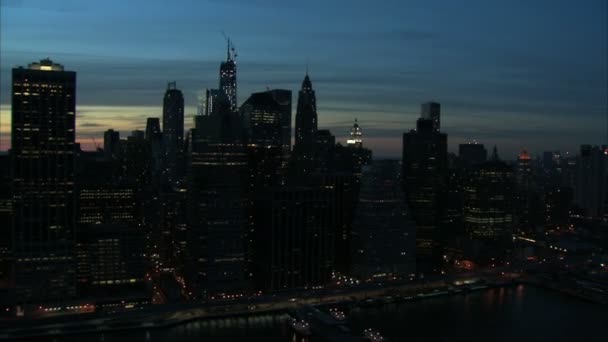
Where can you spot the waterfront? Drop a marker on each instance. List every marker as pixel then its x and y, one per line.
pixel 501 314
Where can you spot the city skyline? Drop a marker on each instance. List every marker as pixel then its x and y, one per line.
pixel 512 87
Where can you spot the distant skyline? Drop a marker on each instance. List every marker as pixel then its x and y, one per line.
pixel 512 73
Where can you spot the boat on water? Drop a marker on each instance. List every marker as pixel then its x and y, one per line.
pixel 300 326
pixel 373 336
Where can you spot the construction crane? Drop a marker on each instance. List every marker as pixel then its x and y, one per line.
pixel 231 50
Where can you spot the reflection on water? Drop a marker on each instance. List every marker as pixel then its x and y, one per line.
pixel 520 313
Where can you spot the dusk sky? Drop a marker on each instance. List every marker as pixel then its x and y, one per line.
pixel 515 73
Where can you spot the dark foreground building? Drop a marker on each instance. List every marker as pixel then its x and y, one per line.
pixel 294 237
pixel 43 137
pixel 424 179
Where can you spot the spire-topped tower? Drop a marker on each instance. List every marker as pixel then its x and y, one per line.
pixel 228 75
pixel 356 136
pixel 306 123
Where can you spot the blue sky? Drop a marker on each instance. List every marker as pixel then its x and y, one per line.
pixel 508 72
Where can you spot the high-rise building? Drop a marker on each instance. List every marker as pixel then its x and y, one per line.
pixel 558 204
pixel 216 102
pixel 384 238
pixel 431 111
pixel 424 178
pixel 43 147
pixel 306 126
pixel 293 237
pixel 111 143
pixel 6 217
pixel 488 207
pixel 590 188
pixel 153 131
pixel 265 118
pixel 173 131
pixel 472 153
pixel 154 140
pixel 356 136
pixel 228 77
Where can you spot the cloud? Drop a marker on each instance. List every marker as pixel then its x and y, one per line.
pixel 89 124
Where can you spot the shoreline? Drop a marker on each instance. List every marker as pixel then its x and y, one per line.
pixel 165 320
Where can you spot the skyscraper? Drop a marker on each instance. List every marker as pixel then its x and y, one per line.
pixel 264 118
pixel 153 131
pixel 431 111
pixel 173 131
pixel 293 237
pixel 488 208
pixel 424 178
pixel 306 125
pixel 384 238
pixel 111 143
pixel 216 102
pixel 228 76
pixel 590 191
pixel 43 138
pixel 472 153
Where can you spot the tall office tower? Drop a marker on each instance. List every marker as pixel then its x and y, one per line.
pixel 293 237
pixel 283 98
pixel 154 139
pixel 488 208
pixel 216 102
pixel 110 238
pixel 384 238
pixel 265 115
pixel 173 131
pixel 111 143
pixel 153 131
pixel 524 170
pixel 431 111
pixel 527 200
pixel 264 119
pixel 217 182
pixel 424 178
pixel 228 77
pixel 306 126
pixel 558 203
pixel 472 154
pixel 6 218
pixel 325 155
pixel 43 138
pixel 590 189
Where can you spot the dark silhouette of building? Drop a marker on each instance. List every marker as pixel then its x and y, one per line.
pixel 558 203
pixel 306 127
pixel 6 242
pixel 472 154
pixel 111 143
pixel 590 189
pixel 153 131
pixel 488 208
pixel 216 102
pixel 432 111
pixel 384 240
pixel 293 237
pixel 173 131
pixel 228 77
pixel 43 138
pixel 154 139
pixel 267 117
pixel 424 178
